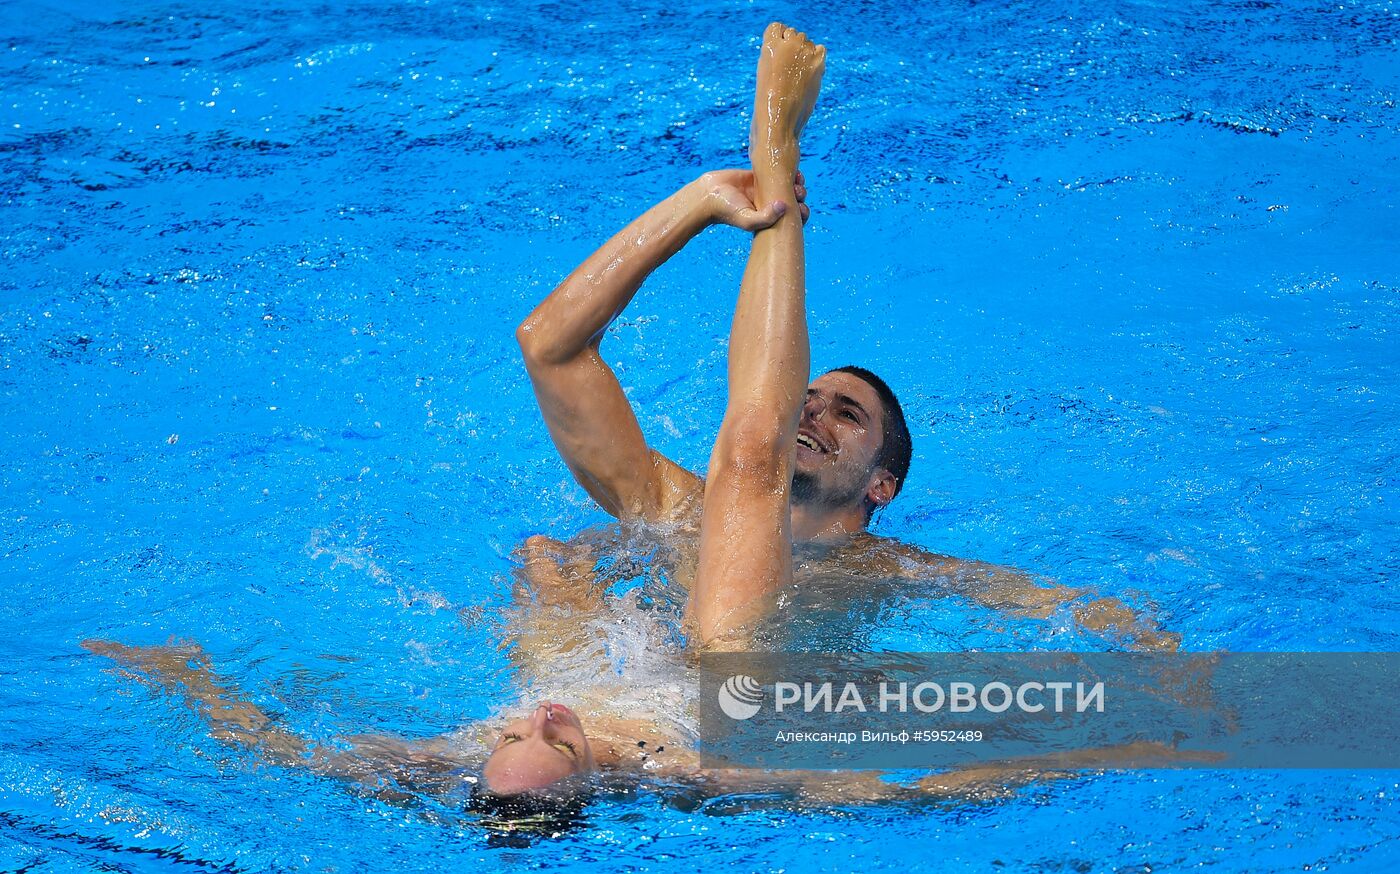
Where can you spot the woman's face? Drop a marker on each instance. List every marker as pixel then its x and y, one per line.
pixel 541 749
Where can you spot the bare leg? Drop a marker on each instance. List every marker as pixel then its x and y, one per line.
pixel 556 594
pixel 746 531
pixel 558 574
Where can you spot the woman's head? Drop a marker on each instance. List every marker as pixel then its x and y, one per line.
pixel 538 751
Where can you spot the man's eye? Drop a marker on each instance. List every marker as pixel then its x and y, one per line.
pixel 850 415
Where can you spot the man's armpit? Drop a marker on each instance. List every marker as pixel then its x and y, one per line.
pixel 679 493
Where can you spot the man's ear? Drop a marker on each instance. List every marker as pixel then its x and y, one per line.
pixel 881 489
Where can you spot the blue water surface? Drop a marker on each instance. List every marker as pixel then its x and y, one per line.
pixel 1131 265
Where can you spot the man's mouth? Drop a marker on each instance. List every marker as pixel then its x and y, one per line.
pixel 810 442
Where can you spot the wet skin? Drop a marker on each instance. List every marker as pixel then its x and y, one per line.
pixel 543 748
pixel 839 437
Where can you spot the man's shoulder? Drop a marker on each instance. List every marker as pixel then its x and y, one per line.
pixel 890 557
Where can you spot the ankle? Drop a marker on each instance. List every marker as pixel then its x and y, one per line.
pixel 773 179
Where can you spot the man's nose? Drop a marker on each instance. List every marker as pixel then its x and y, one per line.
pixel 815 406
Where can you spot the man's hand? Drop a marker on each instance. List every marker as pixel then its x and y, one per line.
pixel 1109 616
pixel 588 414
pixel 729 199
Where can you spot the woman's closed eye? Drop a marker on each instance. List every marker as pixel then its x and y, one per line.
pixel 560 744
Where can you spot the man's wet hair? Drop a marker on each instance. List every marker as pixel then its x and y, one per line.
pixel 897 448
pixel 519 819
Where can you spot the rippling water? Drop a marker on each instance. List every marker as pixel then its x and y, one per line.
pixel 1131 266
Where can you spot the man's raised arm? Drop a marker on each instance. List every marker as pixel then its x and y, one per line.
pixel 584 407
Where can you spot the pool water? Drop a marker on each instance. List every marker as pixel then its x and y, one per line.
pixel 1131 266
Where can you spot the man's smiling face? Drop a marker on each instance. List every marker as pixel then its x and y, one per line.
pixel 838 439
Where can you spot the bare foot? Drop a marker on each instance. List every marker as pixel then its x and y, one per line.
pixel 790 69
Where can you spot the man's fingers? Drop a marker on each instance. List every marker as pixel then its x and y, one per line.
pixel 801 191
pixel 806 212
pixel 757 220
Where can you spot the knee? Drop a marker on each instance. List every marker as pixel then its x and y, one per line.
pixel 538 546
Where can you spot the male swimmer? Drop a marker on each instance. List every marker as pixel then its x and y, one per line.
pixel 849 449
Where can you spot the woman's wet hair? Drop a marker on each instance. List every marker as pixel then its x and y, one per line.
pixel 519 819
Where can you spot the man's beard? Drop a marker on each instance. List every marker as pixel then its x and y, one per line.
pixel 807 491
